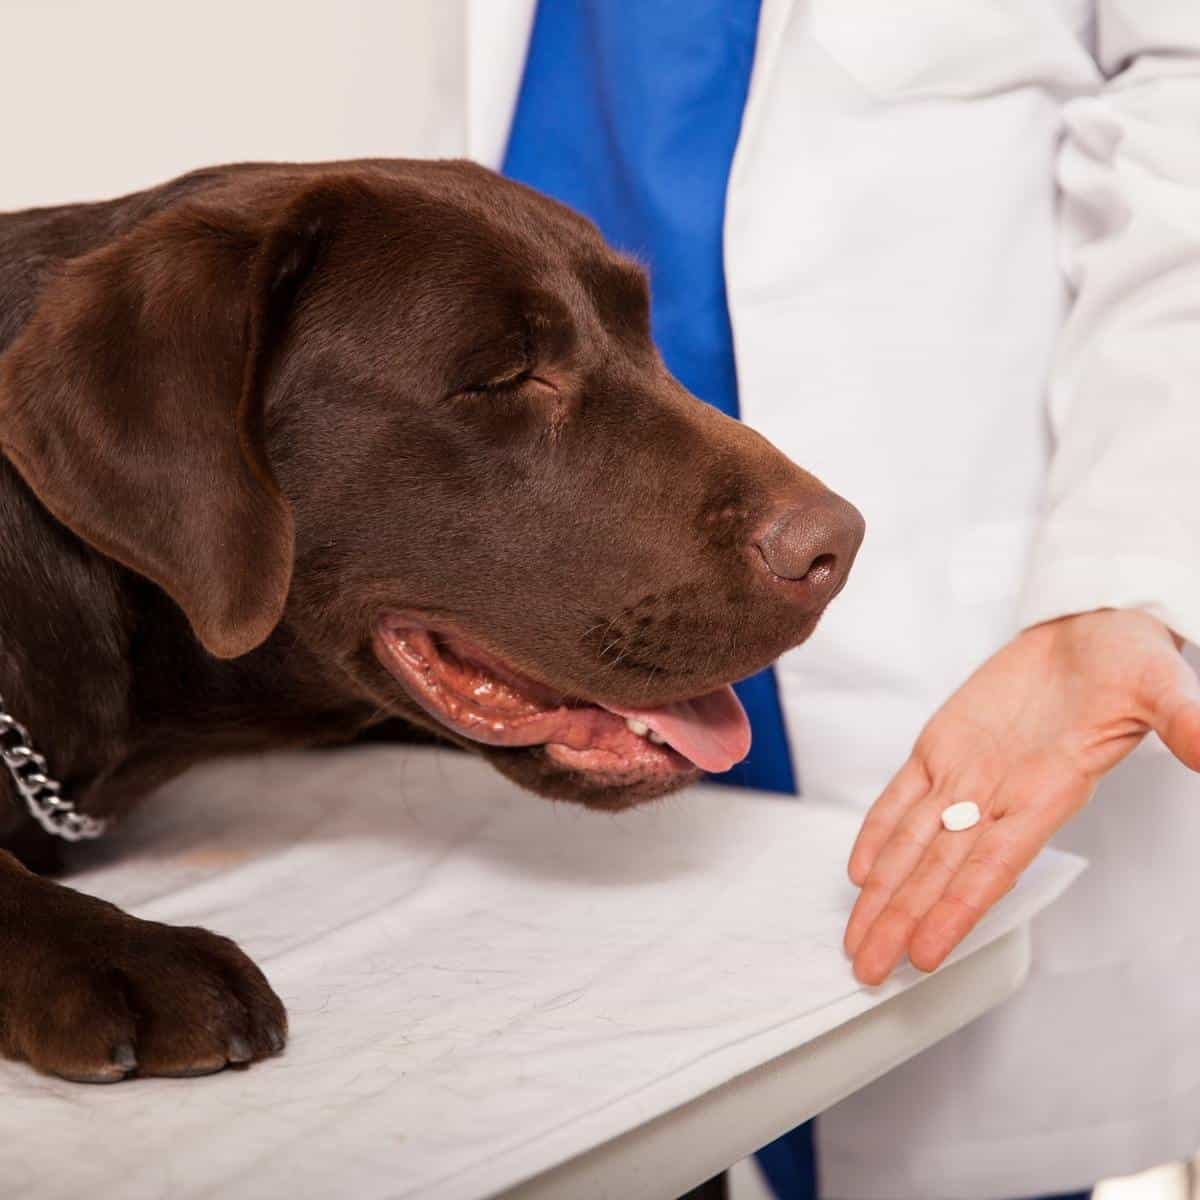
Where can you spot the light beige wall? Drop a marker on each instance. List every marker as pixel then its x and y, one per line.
pixel 101 97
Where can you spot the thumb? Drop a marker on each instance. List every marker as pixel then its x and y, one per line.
pixel 1175 714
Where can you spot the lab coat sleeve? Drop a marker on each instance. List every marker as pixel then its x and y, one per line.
pixel 1122 521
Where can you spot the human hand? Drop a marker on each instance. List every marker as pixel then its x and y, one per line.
pixel 1027 738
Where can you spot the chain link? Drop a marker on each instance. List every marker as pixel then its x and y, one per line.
pixel 42 794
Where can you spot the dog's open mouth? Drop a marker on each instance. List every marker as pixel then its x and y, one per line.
pixel 477 696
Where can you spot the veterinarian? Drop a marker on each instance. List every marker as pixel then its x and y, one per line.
pixel 954 254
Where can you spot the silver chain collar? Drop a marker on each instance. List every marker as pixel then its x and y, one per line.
pixel 42 795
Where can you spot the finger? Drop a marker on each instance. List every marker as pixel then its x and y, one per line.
pixel 908 841
pixel 980 883
pixel 1175 715
pixel 894 863
pixel 886 941
pixel 908 786
pixel 993 866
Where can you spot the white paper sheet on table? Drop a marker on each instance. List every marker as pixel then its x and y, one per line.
pixel 481 984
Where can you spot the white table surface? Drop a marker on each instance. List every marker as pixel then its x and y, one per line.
pixel 491 992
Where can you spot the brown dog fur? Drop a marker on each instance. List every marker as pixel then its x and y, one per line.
pixel 242 413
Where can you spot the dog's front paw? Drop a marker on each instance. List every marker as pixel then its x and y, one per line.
pixel 100 996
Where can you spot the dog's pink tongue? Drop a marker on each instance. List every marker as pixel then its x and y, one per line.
pixel 711 730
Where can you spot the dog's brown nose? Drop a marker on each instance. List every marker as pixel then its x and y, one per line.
pixel 813 545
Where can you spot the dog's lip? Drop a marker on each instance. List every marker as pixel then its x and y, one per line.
pixel 477 695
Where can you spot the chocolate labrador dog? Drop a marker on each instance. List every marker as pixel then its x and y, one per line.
pixel 288 450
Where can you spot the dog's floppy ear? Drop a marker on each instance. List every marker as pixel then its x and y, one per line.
pixel 132 405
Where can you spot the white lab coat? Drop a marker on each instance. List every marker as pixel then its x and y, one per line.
pixel 963 261
pixel 916 184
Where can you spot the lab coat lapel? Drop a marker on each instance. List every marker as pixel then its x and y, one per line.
pixel 497 39
pixel 772 20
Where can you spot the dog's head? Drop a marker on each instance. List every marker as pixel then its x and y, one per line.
pixel 414 413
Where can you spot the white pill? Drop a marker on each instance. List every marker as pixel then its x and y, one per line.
pixel 960 816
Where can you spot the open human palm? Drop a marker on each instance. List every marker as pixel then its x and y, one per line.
pixel 1026 738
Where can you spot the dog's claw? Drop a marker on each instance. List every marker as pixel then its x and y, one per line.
pixel 240 1050
pixel 123 1056
pixel 195 1071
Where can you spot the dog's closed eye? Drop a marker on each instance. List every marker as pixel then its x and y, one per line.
pixel 506 383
